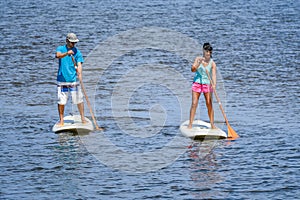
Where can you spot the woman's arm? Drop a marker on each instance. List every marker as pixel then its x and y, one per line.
pixel 196 64
pixel 214 74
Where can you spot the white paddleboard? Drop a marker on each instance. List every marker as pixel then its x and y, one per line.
pixel 201 130
pixel 73 123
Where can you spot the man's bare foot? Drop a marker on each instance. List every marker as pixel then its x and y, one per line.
pixel 190 126
pixel 83 121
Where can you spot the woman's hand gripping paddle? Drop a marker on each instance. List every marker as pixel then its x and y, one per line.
pixel 86 97
pixel 232 135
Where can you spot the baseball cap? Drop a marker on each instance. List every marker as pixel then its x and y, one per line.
pixel 72 37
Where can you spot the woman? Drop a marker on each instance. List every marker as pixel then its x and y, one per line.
pixel 201 83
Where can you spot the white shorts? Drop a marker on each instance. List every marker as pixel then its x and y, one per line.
pixel 63 92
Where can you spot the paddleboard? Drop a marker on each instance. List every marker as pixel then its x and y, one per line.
pixel 201 130
pixel 73 123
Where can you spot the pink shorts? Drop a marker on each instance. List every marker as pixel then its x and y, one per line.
pixel 201 88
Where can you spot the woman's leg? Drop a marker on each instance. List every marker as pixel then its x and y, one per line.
pixel 208 100
pixel 195 99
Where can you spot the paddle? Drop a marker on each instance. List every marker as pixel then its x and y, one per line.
pixel 231 133
pixel 86 97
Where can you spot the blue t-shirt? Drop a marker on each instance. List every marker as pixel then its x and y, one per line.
pixel 201 76
pixel 66 70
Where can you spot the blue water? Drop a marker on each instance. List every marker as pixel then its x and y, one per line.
pixel 256 48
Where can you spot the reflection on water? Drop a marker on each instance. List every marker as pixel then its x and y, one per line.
pixel 204 170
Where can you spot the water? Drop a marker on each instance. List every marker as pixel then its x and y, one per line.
pixel 256 48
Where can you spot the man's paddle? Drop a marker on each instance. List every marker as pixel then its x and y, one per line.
pixel 231 133
pixel 86 97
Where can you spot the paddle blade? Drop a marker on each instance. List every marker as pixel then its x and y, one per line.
pixel 99 128
pixel 231 133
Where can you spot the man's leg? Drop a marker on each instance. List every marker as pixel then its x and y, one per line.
pixel 61 109
pixel 62 100
pixel 77 97
pixel 81 111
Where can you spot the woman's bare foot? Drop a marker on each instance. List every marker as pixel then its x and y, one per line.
pixel 190 126
pixel 213 126
pixel 60 123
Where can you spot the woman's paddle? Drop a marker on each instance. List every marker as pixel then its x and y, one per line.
pixel 86 97
pixel 231 133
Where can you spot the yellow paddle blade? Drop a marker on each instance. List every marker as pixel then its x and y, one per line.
pixel 231 133
pixel 99 128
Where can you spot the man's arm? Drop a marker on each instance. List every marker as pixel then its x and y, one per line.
pixel 79 70
pixel 62 55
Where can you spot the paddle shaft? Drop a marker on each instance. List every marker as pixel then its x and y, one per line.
pixel 85 95
pixel 217 97
pixel 231 132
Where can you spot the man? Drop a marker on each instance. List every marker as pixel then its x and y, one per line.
pixel 68 76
